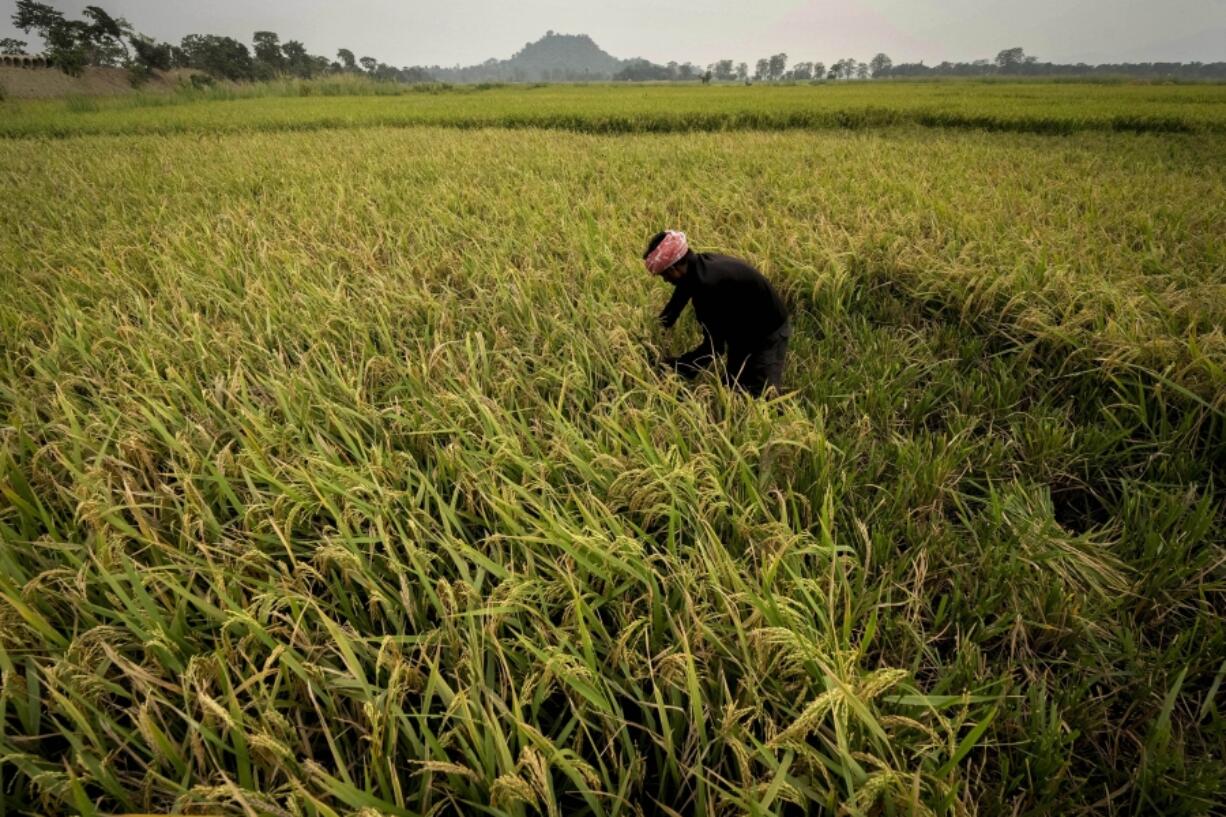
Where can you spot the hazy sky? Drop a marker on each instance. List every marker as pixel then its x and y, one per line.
pixel 447 32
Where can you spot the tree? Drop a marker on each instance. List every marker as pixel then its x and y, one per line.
pixel 10 46
pixel 881 65
pixel 819 70
pixel 639 70
pixel 416 74
pixel 297 61
pixel 742 71
pixel 103 23
pixel 369 64
pixel 267 48
pixel 73 44
pixel 385 73
pixel 1009 59
pixel 843 69
pixel 102 37
pixel 777 65
pixel 220 57
pixel 32 16
pixel 723 70
pixel 762 69
pixel 862 70
pixel 802 71
pixel 152 55
pixel 149 56
pixel 687 71
pixel 105 33
pixel 62 41
pixel 347 60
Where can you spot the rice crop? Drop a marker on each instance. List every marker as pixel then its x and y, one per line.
pixel 335 477
pixel 1053 108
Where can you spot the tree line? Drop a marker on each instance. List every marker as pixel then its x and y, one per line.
pixel 100 39
pixel 1014 62
pixel 768 69
pixel 1011 62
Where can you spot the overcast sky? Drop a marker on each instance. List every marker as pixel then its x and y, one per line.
pixel 447 32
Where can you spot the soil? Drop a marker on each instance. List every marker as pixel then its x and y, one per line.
pixel 35 83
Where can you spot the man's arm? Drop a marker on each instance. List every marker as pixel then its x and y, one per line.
pixel 675 306
pixel 697 359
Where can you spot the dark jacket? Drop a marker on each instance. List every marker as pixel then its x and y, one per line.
pixel 739 311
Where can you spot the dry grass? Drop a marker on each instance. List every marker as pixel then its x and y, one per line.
pixel 42 83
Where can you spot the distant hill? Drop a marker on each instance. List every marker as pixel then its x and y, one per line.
pixel 553 58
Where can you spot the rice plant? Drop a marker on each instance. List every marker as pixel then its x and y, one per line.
pixel 334 477
pixel 1027 107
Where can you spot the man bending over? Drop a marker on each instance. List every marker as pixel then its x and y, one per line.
pixel 741 314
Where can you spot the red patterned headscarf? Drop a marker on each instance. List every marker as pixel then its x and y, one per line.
pixel 668 252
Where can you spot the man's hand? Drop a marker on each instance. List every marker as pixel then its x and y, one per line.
pixel 656 360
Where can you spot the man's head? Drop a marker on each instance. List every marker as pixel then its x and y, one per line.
pixel 667 255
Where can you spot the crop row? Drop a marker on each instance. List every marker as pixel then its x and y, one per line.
pixel 1029 107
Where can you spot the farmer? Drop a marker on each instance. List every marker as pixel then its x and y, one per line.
pixel 740 313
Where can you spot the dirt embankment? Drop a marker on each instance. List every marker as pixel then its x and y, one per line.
pixel 34 83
